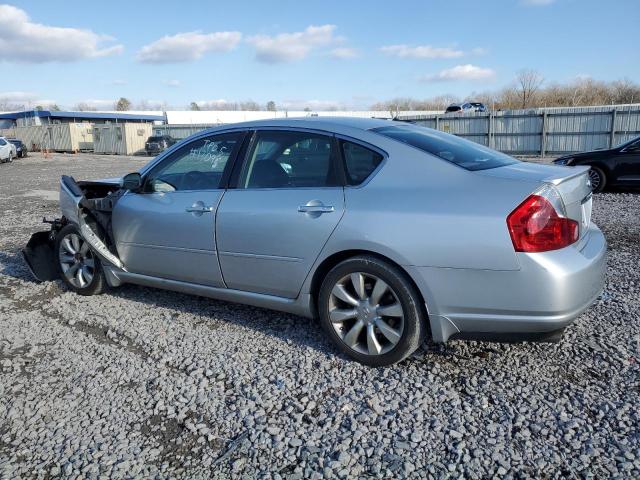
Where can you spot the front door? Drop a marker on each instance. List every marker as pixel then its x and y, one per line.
pixel 288 200
pixel 167 229
pixel 628 165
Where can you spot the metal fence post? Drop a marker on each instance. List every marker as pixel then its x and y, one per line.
pixel 437 122
pixel 612 136
pixel 543 138
pixel 490 130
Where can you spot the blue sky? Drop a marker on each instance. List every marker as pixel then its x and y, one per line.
pixel 304 53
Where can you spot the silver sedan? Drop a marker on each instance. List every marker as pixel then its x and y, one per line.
pixel 386 232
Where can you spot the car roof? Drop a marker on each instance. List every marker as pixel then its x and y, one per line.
pixel 322 123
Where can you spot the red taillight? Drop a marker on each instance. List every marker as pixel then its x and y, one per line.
pixel 535 226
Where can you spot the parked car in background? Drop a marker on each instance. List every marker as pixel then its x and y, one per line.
pixel 386 231
pixel 466 107
pixel 21 149
pixel 7 150
pixel 158 143
pixel 618 166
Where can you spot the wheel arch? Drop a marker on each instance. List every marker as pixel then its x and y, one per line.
pixel 335 258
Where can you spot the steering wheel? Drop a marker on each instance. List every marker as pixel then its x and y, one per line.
pixel 195 180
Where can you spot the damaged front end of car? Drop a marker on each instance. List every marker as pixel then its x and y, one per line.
pixel 88 205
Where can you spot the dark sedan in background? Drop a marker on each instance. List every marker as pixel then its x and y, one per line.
pixel 21 149
pixel 158 143
pixel 618 166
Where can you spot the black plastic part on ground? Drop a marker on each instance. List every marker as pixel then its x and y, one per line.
pixel 39 255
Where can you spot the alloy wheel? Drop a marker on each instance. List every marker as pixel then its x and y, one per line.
pixel 595 178
pixel 76 260
pixel 366 313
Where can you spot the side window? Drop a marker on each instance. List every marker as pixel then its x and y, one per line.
pixel 280 159
pixel 196 166
pixel 360 162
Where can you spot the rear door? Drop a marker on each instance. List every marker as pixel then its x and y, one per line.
pixel 288 200
pixel 167 230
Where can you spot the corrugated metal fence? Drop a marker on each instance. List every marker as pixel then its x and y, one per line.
pixel 548 131
pixel 180 132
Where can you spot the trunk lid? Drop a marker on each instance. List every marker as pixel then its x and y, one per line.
pixel 572 183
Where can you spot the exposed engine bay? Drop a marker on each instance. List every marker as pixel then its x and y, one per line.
pixel 88 204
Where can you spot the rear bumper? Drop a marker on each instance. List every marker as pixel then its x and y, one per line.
pixel 545 295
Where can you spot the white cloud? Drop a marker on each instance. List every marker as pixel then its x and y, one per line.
pixel 289 47
pixel 186 47
pixel 421 51
pixel 17 100
pixel 479 51
pixel 18 96
pixel 344 53
pixel 173 83
pixel 461 72
pixel 26 42
pixel 537 3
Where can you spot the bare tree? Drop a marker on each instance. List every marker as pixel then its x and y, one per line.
pixel 249 105
pixel 528 82
pixel 84 107
pixel 123 104
pixel 580 92
pixel 194 107
pixel 271 106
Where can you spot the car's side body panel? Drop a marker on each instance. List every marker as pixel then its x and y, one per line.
pixel 266 245
pixel 156 235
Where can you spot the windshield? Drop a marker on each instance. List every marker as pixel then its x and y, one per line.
pixel 2 142
pixel 465 154
pixel 629 142
pixel 155 139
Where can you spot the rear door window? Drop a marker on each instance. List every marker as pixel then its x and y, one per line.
pixel 286 159
pixel 360 162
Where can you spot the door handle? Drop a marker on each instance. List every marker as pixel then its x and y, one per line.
pixel 199 208
pixel 316 209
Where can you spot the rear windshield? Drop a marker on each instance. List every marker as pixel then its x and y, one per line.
pixel 466 154
pixel 453 109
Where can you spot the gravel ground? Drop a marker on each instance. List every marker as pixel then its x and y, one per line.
pixel 148 383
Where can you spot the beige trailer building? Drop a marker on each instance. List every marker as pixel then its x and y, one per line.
pixel 121 138
pixel 60 137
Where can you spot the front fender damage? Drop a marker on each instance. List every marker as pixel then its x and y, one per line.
pixel 92 206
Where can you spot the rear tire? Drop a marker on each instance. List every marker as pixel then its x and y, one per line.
pixel 372 311
pixel 78 265
pixel 598 179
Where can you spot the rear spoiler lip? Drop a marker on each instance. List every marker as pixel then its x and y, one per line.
pixel 579 170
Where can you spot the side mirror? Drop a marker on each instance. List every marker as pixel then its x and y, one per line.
pixel 132 181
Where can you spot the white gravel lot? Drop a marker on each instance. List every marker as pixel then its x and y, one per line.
pixel 148 383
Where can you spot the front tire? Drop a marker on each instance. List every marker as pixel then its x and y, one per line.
pixel 79 267
pixel 371 311
pixel 598 179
